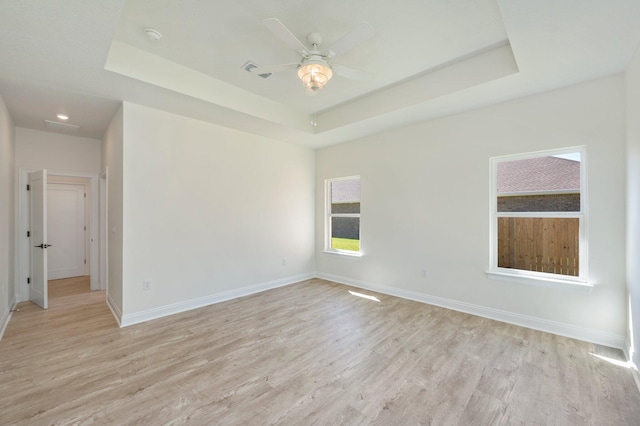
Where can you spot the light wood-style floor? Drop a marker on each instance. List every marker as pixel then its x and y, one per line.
pixel 310 353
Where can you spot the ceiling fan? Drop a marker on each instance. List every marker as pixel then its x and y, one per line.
pixel 314 68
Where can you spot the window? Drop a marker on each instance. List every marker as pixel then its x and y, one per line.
pixel 343 215
pixel 538 217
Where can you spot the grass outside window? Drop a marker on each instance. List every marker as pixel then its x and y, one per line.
pixel 345 244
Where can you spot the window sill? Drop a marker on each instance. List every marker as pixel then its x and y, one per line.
pixel 542 281
pixel 356 255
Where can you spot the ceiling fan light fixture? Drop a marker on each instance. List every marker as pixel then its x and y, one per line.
pixel 314 75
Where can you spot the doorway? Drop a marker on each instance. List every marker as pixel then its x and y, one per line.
pixel 90 237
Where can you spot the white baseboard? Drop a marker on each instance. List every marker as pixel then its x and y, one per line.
pixel 636 375
pixel 554 327
pixel 187 305
pixel 4 321
pixel 632 365
pixel 115 310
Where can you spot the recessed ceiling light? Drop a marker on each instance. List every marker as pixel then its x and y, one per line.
pixel 153 34
pixel 62 116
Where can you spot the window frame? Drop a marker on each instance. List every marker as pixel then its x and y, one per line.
pixel 328 215
pixel 535 277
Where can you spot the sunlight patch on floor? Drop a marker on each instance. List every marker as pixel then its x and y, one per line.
pixel 364 296
pixel 618 362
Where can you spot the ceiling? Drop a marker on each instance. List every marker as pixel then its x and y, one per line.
pixel 428 58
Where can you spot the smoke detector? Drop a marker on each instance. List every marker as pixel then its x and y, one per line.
pixel 152 34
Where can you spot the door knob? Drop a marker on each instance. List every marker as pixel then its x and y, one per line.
pixel 44 246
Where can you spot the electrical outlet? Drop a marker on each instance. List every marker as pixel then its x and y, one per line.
pixel 146 285
pixel 284 262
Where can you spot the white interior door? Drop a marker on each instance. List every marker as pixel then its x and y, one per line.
pixel 38 240
pixel 66 226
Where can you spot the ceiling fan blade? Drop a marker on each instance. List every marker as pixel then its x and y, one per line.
pixel 273 68
pixel 361 33
pixel 277 28
pixel 351 73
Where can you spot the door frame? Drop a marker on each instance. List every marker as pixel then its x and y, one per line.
pixel 22 225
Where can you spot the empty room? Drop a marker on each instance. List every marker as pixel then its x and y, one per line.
pixel 339 212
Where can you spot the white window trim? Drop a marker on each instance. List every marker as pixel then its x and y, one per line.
pixel 327 219
pixel 548 280
pixel 580 282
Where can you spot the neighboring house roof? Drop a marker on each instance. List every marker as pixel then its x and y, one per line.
pixel 538 174
pixel 345 191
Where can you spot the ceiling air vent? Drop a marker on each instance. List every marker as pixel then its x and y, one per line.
pixel 250 65
pixel 61 127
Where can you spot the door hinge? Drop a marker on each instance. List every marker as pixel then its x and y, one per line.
pixel 85 228
pixel 85 261
pixel 28 187
pixel 28 280
pixel 85 195
pixel 28 234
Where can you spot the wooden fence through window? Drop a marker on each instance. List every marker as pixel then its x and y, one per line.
pixel 539 244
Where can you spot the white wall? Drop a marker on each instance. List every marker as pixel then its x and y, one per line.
pixel 209 211
pixel 7 206
pixel 112 145
pixel 633 207
pixel 425 205
pixel 56 152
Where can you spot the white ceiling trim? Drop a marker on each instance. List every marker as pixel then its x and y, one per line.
pixel 149 68
pixel 472 70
